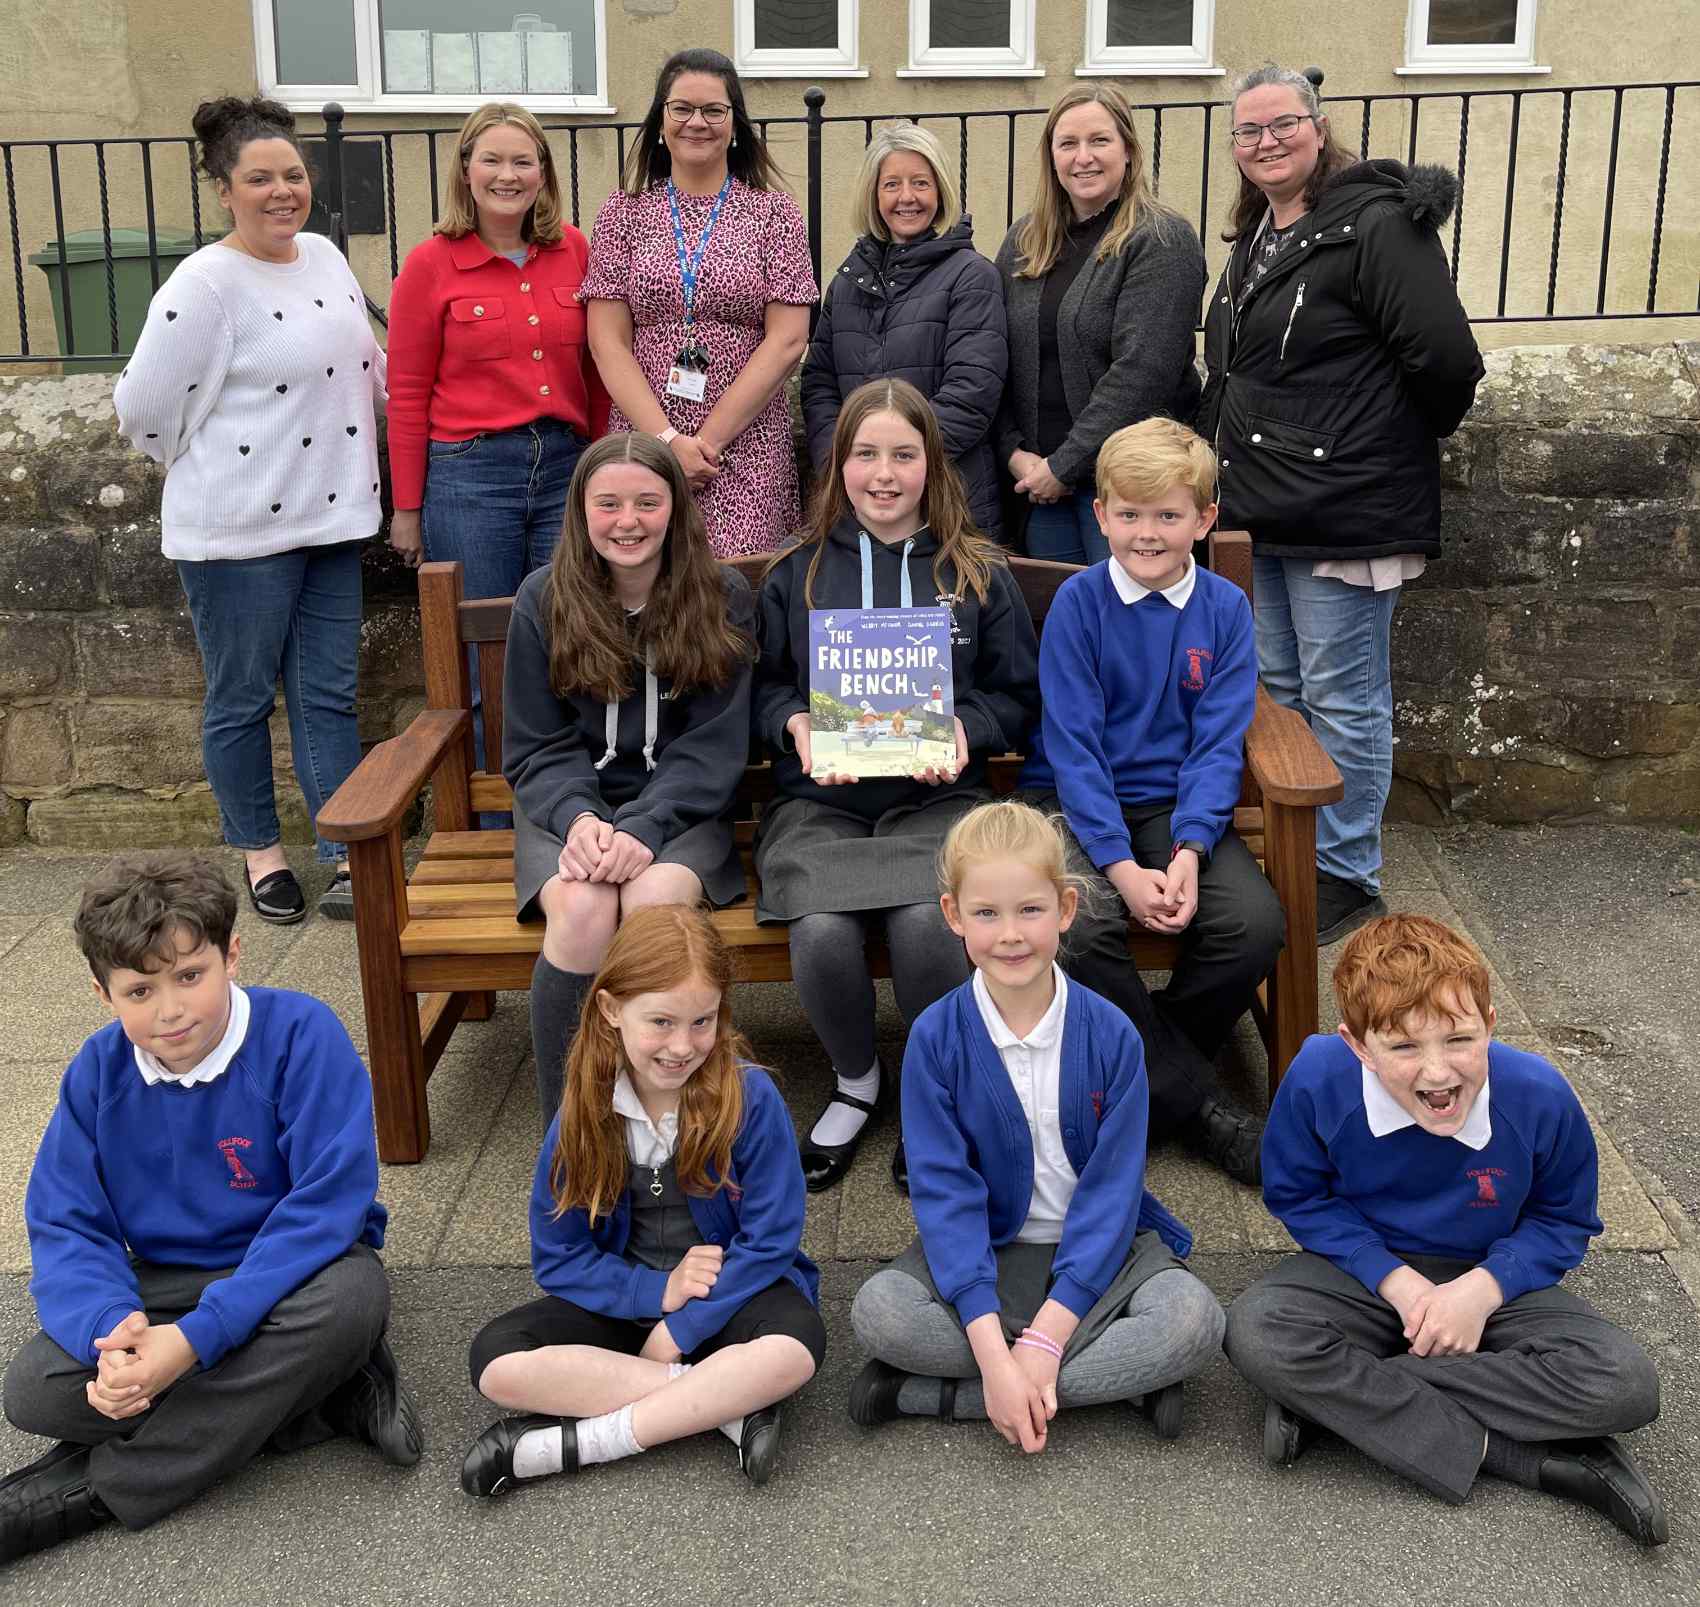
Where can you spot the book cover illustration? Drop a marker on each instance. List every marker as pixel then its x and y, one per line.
pixel 881 701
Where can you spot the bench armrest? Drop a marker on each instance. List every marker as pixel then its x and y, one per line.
pixel 385 783
pixel 1286 760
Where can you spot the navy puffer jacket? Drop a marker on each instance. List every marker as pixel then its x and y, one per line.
pixel 930 312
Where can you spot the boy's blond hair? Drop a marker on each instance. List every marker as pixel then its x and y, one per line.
pixel 1144 461
pixel 1404 965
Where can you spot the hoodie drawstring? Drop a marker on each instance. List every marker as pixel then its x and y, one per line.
pixel 906 594
pixel 651 721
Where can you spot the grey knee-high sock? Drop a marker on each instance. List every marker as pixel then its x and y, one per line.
pixel 556 998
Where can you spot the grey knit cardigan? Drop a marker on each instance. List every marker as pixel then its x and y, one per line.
pixel 1124 339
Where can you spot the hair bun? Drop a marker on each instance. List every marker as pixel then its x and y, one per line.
pixel 224 125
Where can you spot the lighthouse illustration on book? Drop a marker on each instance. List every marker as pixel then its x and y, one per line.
pixel 880 698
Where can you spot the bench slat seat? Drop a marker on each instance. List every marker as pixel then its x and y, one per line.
pixel 437 946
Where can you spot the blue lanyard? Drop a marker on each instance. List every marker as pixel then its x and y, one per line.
pixel 688 265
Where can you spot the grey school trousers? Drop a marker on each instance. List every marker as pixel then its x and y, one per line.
pixel 1550 1367
pixel 263 1395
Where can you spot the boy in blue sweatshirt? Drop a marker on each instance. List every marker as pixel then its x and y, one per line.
pixel 1148 676
pixel 1440 1185
pixel 203 1228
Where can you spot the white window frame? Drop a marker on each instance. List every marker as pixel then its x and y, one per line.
pixel 367 94
pixel 1197 60
pixel 1422 58
pixel 841 61
pixel 1014 60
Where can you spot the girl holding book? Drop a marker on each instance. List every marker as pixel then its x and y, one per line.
pixel 1044 1275
pixel 627 724
pixel 842 859
pixel 666 1233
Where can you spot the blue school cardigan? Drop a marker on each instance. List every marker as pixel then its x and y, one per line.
pixel 971 1155
pixel 760 1228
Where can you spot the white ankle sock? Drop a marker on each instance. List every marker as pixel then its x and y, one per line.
pixel 734 1431
pixel 677 1369
pixel 606 1438
pixel 538 1452
pixel 841 1123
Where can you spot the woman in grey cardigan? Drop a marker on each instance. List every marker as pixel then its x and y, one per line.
pixel 914 300
pixel 1101 287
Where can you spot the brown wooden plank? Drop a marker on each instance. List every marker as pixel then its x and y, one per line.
pixel 1230 557
pixel 491 657
pixel 459 899
pixel 1039 579
pixel 448 685
pixel 470 845
pixel 1290 835
pixel 1282 753
pixel 372 801
pixel 432 973
pixel 484 619
pixel 440 872
pixel 490 791
pixel 439 1015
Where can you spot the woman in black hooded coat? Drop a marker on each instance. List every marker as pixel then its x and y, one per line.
pixel 914 301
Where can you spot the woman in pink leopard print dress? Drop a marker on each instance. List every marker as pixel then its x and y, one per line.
pixel 698 290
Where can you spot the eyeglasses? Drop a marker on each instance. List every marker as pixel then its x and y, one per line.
pixel 1250 135
pixel 682 111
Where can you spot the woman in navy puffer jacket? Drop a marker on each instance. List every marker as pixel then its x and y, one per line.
pixel 914 300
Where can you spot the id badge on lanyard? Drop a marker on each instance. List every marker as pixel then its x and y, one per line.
pixel 687 378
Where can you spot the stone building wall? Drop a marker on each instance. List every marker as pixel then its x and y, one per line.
pixel 1547 668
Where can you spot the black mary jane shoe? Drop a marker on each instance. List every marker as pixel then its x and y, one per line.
pixel 824 1164
pixel 277 897
pixel 488 1468
pixel 758 1445
pixel 873 1394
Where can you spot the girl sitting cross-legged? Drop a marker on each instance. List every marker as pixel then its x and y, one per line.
pixel 1044 1274
pixel 666 1225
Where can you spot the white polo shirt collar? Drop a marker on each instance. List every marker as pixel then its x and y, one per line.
pixel 1386 1115
pixel 1131 592
pixel 154 1070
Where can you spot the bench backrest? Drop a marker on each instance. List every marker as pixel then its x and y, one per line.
pixel 450 623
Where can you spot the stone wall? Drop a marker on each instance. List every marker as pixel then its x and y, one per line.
pixel 1548 667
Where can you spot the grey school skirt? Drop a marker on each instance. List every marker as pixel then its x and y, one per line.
pixel 812 858
pixel 1024 1283
pixel 706 848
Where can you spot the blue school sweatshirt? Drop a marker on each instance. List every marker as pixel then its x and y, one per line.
pixel 1143 704
pixel 269 1169
pixel 760 1228
pixel 1524 1206
pixel 971 1154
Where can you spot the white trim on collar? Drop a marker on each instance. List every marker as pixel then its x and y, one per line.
pixel 1044 1033
pixel 1131 592
pixel 154 1071
pixel 1386 1115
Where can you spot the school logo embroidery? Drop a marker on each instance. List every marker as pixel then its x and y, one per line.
pixel 1197 660
pixel 1487 1195
pixel 240 1176
pixel 958 636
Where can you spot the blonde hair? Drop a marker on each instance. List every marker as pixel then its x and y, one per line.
pixel 894 137
pixel 1405 965
pixel 1007 830
pixel 1045 229
pixel 1141 462
pixel 460 211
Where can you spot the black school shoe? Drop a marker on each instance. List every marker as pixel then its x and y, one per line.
pixel 824 1164
pixel 900 1168
pixel 277 897
pixel 336 903
pixel 1229 1138
pixel 1164 1408
pixel 758 1445
pixel 873 1396
pixel 46 1501
pixel 1342 907
pixel 488 1468
pixel 1600 1474
pixel 1286 1435
pixel 374 1406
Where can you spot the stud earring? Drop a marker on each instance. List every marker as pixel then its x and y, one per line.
pixel 734 142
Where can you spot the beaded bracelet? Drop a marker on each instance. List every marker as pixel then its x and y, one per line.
pixel 1039 1341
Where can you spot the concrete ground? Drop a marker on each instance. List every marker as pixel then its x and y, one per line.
pixel 1593 935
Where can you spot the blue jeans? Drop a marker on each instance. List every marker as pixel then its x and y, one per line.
pixel 1323 648
pixel 294 614
pixel 495 505
pixel 1066 532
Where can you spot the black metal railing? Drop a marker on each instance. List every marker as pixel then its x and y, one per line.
pixel 1566 211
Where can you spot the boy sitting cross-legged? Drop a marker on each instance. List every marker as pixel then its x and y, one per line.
pixel 1148 674
pixel 1440 1185
pixel 203 1227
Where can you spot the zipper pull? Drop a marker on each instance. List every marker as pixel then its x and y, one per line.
pixel 1287 334
pixel 655 1182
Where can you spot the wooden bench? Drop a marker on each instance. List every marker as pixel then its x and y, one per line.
pixel 434 949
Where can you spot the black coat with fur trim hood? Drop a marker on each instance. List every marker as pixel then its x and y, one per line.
pixel 1332 385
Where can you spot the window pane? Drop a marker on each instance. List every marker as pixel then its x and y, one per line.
pixel 796 24
pixel 1472 22
pixel 487 47
pixel 315 41
pixel 969 24
pixel 1140 24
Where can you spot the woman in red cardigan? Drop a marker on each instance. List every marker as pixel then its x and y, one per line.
pixel 493 392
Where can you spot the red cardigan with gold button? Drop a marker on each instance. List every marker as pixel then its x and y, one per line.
pixel 480 344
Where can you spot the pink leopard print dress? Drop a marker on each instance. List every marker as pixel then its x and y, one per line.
pixel 757 254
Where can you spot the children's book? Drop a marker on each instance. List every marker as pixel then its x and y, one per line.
pixel 881 701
